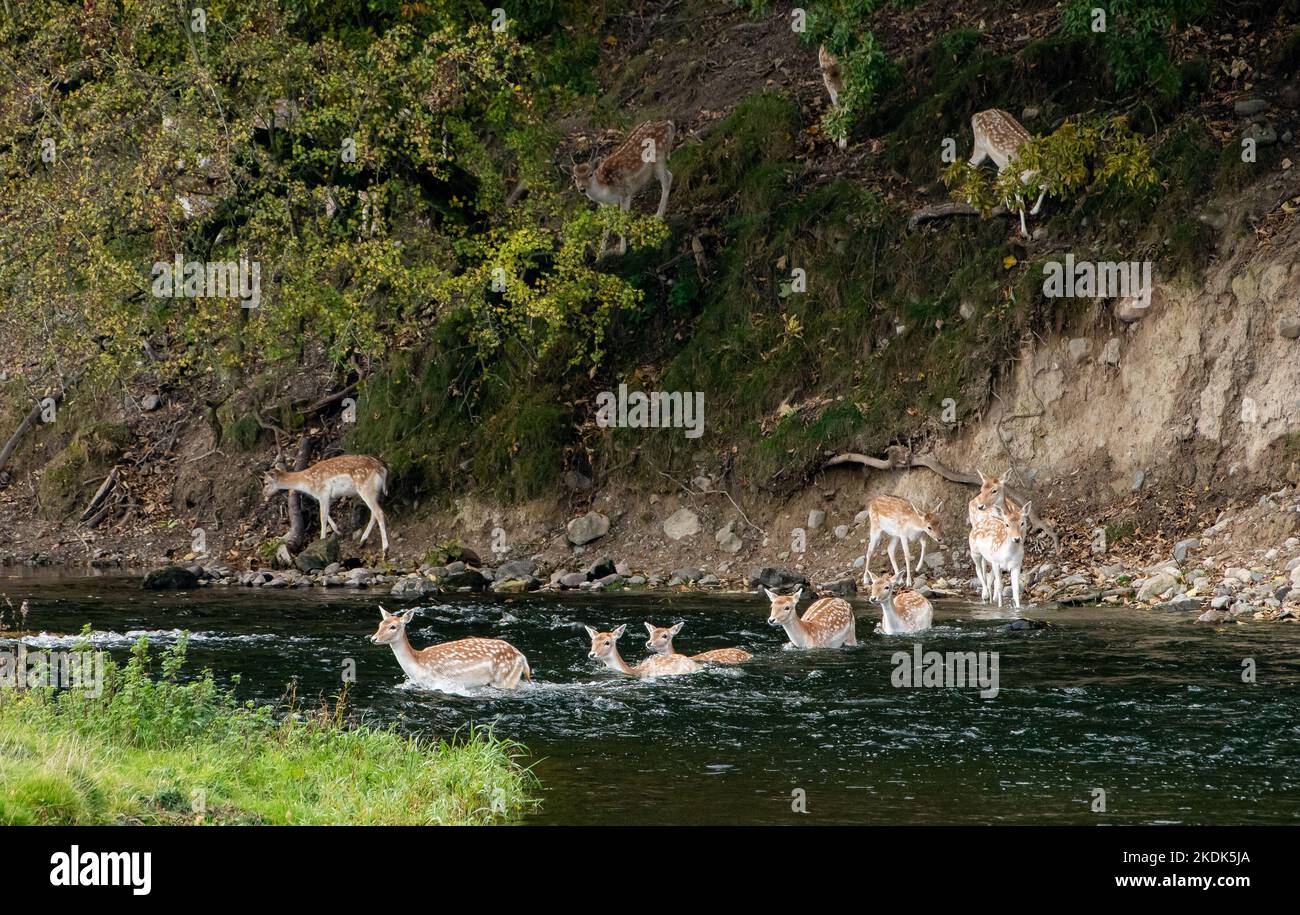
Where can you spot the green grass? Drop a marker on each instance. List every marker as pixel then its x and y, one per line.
pixel 155 750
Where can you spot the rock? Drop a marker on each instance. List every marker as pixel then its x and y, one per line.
pixel 1130 309
pixel 612 580
pixel 515 568
pixel 636 581
pixel 841 531
pixel 1079 348
pixel 681 523
pixel 775 578
pixel 577 481
pixel 1221 602
pixel 1213 616
pixel 816 518
pixel 1237 573
pixel 1110 352
pixel 1289 327
pixel 413 586
pixel 1181 605
pixel 622 568
pixel 1262 134
pixel 150 403
pixel 601 568
pixel 359 578
pixel 844 587
pixel 170 578
pixel 573 580
pixel 1025 625
pixel 457 579
pixel 591 526
pixel 1029 113
pixel 1248 107
pixel 1182 546
pixel 708 581
pixel 1072 581
pixel 1295 577
pixel 1138 479
pixel 728 539
pixel 515 585
pixel 318 554
pixel 1157 586
pixel 684 577
pixel 862 517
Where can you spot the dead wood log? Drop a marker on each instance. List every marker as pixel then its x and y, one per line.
pixel 28 421
pixel 105 488
pixel 293 540
pixel 944 210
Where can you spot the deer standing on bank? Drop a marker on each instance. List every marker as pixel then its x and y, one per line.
pixel 999 136
pixel 834 80
pixel 902 610
pixel 661 643
pixel 828 623
pixel 993 494
pixel 997 544
pixel 604 648
pixel 622 174
pixel 902 522
pixel 337 478
pixel 462 664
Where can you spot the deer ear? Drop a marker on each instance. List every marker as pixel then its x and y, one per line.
pixel 939 506
pixel 797 595
pixel 620 630
pixel 591 632
pixel 384 614
pixel 408 616
pixel 1025 509
pixel 898 578
pixel 1006 476
pixel 677 627
pixel 981 473
pixel 650 628
pixel 770 595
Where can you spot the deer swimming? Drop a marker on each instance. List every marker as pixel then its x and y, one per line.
pixel 622 174
pixel 336 478
pixel 902 611
pixel 998 540
pixel 604 648
pixel 828 623
pixel 902 522
pixel 999 136
pixel 834 80
pixel 661 643
pixel 462 664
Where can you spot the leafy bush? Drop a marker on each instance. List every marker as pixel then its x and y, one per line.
pixel 1134 41
pixel 843 27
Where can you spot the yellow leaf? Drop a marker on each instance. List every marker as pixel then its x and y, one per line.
pixel 1008 262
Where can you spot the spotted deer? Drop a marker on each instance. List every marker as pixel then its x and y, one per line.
pixel 622 174
pixel 462 664
pixel 661 643
pixel 902 610
pixel 993 492
pixel 834 80
pixel 604 648
pixel 997 544
pixel 337 478
pixel 902 522
pixel 999 136
pixel 828 623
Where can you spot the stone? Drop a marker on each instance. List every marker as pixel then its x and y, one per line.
pixel 862 517
pixel 841 531
pixel 1157 586
pixel 1110 352
pixel 515 568
pixel 728 539
pixel 601 568
pixel 318 554
pixel 1289 327
pixel 170 578
pixel 816 518
pixel 775 578
pixel 681 524
pixel 413 586
pixel 573 580
pixel 843 587
pixel 1025 625
pixel 1130 309
pixel 612 580
pixel 1079 348
pixel 1182 546
pixel 150 403
pixel 1262 134
pixel 577 481
pixel 591 526
pixel 470 579
pixel 1248 107
pixel 358 578
pixel 1213 616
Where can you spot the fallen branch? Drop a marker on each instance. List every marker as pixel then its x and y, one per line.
pixel 944 210
pixel 105 488
pixel 1093 596
pixel 292 541
pixel 28 421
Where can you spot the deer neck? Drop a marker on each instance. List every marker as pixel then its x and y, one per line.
pixel 615 661
pixel 797 631
pixel 294 481
pixel 406 657
pixel 892 619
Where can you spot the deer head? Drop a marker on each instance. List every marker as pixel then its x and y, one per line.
pixel 930 521
pixel 992 490
pixel 883 587
pixel 582 177
pixel 391 626
pixel 602 643
pixel 783 607
pixel 661 639
pixel 1016 521
pixel 270 483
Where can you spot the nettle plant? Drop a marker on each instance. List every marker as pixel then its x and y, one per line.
pixel 842 26
pixel 1077 157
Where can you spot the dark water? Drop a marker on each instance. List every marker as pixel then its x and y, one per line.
pixel 1145 706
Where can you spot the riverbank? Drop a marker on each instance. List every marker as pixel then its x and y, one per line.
pixel 153 750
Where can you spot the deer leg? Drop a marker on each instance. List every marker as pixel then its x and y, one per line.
pixel 1024 229
pixel 997 582
pixel 665 184
pixel 920 562
pixel 625 204
pixel 1039 204
pixel 979 571
pixel 866 562
pixel 907 559
pixel 1015 585
pixel 893 553
pixel 324 517
pixel 978 154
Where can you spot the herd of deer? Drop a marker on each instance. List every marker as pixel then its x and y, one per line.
pixel 622 174
pixel 999 528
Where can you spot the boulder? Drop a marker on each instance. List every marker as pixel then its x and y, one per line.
pixel 842 587
pixel 601 568
pixel 681 523
pixel 776 578
pixel 684 577
pixel 170 578
pixel 516 568
pixel 318 554
pixel 728 539
pixel 457 579
pixel 816 518
pixel 591 526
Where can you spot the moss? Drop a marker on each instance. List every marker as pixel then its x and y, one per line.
pixel 66 481
pixel 239 430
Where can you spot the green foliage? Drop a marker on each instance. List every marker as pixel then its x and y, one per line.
pixel 843 28
pixel 150 746
pixel 1133 43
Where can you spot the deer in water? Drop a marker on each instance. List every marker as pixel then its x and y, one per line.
pixel 661 643
pixel 828 623
pixel 997 543
pixel 902 610
pixel 462 664
pixel 604 648
pixel 336 478
pixel 622 174
pixel 999 136
pixel 902 522
pixel 834 80
pixel 993 493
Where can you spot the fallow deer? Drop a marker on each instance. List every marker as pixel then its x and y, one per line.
pixel 462 664
pixel 997 543
pixel 604 648
pixel 999 136
pixel 828 623
pixel 993 492
pixel 336 478
pixel 622 174
pixel 661 643
pixel 834 80
pixel 902 610
pixel 902 522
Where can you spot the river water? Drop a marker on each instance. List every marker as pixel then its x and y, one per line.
pixel 1141 705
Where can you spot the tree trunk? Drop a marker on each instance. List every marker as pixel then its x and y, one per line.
pixel 14 439
pixel 297 529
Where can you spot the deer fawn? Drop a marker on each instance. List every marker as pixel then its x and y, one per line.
pixel 462 664
pixel 999 541
pixel 828 623
pixel 335 478
pixel 999 136
pixel 605 650
pixel 834 80
pixel 661 643
pixel 902 522
pixel 622 174
pixel 902 611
